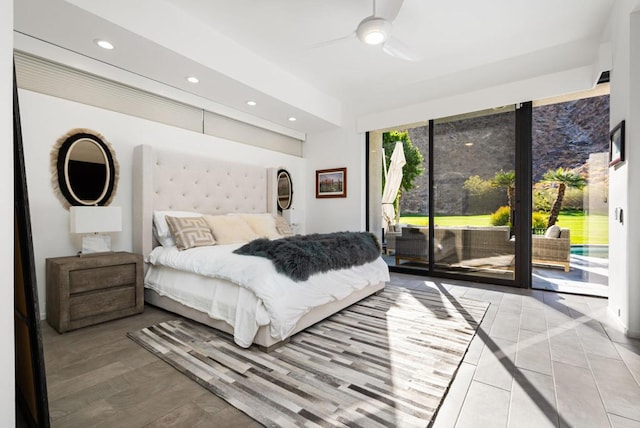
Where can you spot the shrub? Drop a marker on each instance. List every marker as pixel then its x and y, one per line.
pixel 539 220
pixel 573 199
pixel 482 197
pixel 544 194
pixel 500 217
pixel 476 185
pixel 542 200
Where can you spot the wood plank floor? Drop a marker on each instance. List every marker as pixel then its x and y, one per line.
pixel 96 376
pixel 540 359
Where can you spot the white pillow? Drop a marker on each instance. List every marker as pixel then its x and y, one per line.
pixel 230 229
pixel 264 225
pixel 161 228
pixel 552 232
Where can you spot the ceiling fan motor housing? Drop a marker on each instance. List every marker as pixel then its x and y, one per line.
pixel 373 30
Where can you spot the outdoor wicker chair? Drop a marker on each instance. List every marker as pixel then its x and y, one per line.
pixel 413 245
pixel 551 251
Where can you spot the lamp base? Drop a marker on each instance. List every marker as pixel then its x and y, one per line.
pixel 95 244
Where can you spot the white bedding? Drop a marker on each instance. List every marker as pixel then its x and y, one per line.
pixel 283 299
pixel 220 299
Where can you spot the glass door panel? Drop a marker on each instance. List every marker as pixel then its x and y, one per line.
pixel 405 232
pixel 570 176
pixel 473 194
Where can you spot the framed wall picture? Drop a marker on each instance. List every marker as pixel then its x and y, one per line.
pixel 616 144
pixel 331 183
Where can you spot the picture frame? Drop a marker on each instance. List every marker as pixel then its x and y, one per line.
pixel 331 183
pixel 616 144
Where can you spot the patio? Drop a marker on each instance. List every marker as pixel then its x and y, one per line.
pixel 588 275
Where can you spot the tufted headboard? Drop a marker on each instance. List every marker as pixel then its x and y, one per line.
pixel 167 180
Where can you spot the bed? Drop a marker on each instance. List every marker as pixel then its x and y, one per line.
pixel 169 182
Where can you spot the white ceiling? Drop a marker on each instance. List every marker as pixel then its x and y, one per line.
pixel 275 50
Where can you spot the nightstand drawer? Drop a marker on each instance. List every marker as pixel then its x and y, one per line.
pixel 102 302
pixel 83 291
pixel 100 278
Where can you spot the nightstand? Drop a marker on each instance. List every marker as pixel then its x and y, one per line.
pixel 83 291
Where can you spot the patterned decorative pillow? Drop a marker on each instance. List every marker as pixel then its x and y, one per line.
pixel 161 228
pixel 189 232
pixel 283 227
pixel 230 229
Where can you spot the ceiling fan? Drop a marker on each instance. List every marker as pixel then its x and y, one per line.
pixel 376 30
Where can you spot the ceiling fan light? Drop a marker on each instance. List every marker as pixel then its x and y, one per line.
pixel 374 38
pixel 373 31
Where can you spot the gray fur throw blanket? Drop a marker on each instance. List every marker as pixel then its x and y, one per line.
pixel 301 256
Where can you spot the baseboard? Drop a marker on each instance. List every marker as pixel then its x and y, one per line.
pixel 634 334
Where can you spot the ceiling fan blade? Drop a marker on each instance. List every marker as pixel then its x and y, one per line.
pixel 333 41
pixel 398 49
pixel 387 9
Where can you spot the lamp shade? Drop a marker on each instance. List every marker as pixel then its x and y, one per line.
pixel 95 219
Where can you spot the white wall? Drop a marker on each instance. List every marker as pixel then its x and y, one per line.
pixel 338 148
pixel 7 390
pixel 534 88
pixel 46 118
pixel 633 180
pixel 624 239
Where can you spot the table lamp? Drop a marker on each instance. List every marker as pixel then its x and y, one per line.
pixel 294 217
pixel 92 222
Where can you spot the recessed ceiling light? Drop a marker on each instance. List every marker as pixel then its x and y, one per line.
pixel 192 79
pixel 251 103
pixel 104 44
pixel 292 119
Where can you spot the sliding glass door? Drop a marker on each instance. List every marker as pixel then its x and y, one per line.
pixel 474 194
pixel 570 187
pixel 514 196
pixel 455 210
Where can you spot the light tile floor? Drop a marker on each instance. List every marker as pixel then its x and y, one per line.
pixel 539 359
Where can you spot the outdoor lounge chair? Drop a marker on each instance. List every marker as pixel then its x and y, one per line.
pixel 390 238
pixel 412 244
pixel 551 251
pixel 454 245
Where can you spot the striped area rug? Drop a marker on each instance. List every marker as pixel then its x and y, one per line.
pixel 386 361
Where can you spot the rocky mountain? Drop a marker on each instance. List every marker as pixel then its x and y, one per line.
pixel 563 135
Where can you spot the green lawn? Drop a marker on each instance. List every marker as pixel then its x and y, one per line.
pixel 591 229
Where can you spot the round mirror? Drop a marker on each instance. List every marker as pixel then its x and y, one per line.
pixel 86 170
pixel 285 190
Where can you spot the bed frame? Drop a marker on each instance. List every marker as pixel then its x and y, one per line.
pixel 167 180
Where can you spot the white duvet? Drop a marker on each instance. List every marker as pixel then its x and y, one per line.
pixel 284 300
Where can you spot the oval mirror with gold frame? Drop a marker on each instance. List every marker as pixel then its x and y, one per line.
pixel 84 169
pixel 285 190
